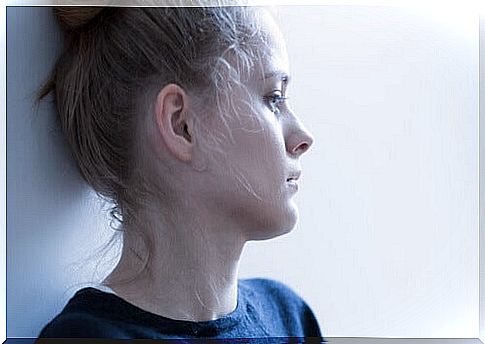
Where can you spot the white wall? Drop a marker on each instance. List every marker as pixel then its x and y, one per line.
pixel 482 176
pixel 387 243
pixel 388 238
pixel 52 222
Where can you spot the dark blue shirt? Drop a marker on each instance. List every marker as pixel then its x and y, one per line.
pixel 265 308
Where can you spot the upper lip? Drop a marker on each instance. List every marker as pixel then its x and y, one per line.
pixel 294 175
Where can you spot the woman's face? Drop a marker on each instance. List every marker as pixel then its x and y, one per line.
pixel 265 153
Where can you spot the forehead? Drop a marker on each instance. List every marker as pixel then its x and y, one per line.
pixel 270 49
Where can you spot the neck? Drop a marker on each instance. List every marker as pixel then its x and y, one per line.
pixel 192 270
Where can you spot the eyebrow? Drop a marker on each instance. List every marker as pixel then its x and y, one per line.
pixel 278 73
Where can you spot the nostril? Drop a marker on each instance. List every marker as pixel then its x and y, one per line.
pixel 303 147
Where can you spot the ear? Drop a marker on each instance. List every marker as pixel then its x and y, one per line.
pixel 171 111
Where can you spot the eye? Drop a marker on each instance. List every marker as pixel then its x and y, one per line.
pixel 274 100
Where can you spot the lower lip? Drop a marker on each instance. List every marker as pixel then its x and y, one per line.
pixel 292 184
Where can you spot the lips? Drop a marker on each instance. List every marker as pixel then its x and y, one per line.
pixel 294 176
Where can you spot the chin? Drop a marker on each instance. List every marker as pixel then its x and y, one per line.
pixel 273 235
pixel 276 227
pixel 266 235
pixel 275 217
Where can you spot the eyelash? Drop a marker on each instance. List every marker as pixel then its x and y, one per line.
pixel 279 99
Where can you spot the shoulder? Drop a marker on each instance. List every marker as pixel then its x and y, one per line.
pixel 78 325
pixel 270 288
pixel 82 317
pixel 275 300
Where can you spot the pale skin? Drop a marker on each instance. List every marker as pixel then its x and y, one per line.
pixel 193 272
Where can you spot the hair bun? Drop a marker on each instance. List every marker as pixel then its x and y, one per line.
pixel 75 17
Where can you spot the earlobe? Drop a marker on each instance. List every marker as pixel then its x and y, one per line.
pixel 171 112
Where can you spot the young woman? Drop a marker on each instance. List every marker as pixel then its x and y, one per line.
pixel 179 116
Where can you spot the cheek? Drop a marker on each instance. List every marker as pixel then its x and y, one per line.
pixel 261 146
pixel 267 166
pixel 258 151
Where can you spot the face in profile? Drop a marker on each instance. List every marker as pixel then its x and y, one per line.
pixel 251 184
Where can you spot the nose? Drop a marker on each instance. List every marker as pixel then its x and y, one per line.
pixel 299 138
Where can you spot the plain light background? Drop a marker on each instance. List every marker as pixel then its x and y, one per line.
pixel 387 242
